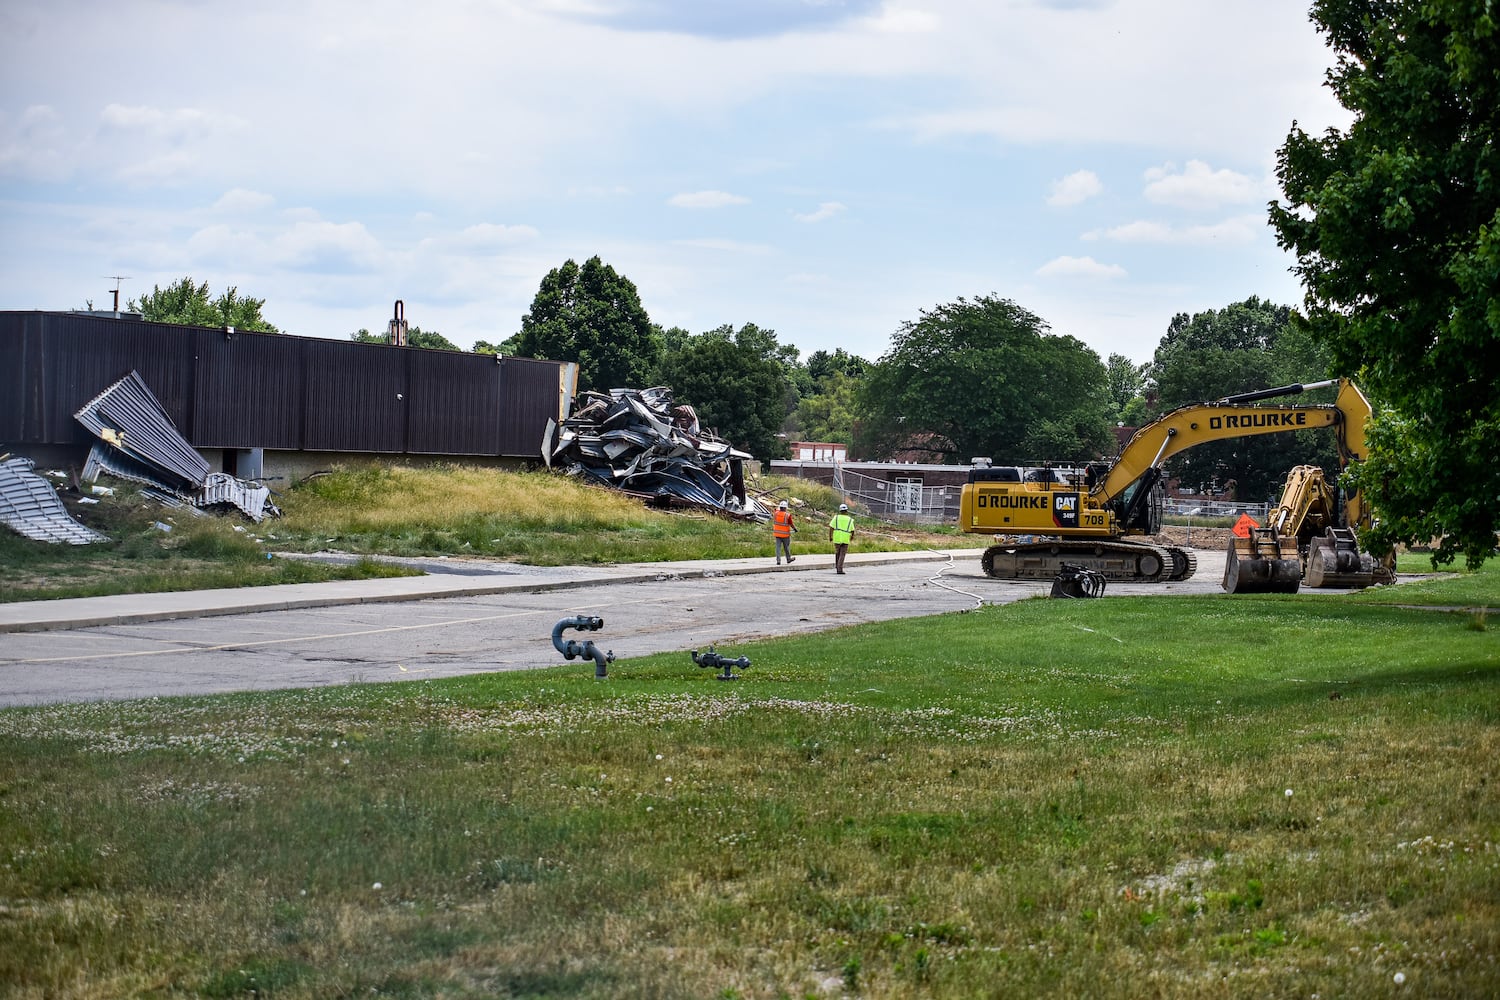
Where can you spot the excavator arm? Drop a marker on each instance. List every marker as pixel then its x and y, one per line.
pixel 1231 417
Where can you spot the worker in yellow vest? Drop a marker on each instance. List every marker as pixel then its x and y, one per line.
pixel 782 527
pixel 840 533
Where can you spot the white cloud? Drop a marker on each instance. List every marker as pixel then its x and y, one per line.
pixel 1240 229
pixel 894 19
pixel 1199 186
pixel 493 237
pixel 706 199
pixel 224 247
pixel 240 201
pixel 726 245
pixel 825 211
pixel 1079 267
pixel 1077 187
pixel 165 123
pixel 33 144
pixel 327 248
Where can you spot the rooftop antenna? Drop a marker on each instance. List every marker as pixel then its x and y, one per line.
pixel 117 278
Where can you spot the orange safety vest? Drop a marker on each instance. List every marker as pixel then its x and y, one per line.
pixel 782 524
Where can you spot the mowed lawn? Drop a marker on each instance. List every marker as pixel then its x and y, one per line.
pixel 1132 797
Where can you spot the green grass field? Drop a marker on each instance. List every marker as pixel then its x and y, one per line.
pixel 1133 797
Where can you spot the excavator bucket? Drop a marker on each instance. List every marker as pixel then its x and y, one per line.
pixel 1259 564
pixel 1334 560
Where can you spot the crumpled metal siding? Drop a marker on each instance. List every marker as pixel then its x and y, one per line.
pixel 128 416
pixel 223 490
pixel 30 505
pixel 637 440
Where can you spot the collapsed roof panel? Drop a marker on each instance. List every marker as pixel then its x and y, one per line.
pixel 129 418
pixel 138 442
pixel 30 506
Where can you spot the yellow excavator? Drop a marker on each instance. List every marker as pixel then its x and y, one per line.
pixel 1309 539
pixel 1052 521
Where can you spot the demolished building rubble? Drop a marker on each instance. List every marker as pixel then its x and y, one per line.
pixel 139 443
pixel 638 441
pixel 30 506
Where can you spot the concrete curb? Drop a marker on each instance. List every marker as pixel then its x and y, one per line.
pixel 133 609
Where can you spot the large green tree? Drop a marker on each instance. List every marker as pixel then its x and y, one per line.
pixel 821 366
pixel 1219 352
pixel 593 316
pixel 829 414
pixel 1395 223
pixel 985 378
pixel 737 384
pixel 1127 381
pixel 190 303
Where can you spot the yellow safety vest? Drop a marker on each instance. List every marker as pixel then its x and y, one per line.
pixel 843 528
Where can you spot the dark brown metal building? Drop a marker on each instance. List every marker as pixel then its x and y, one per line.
pixel 273 406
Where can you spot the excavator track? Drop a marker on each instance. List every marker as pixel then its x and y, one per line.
pixel 1116 561
pixel 1184 564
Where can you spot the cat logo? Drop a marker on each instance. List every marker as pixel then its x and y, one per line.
pixel 1065 510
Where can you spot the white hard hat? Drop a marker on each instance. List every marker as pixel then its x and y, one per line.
pixel 782 505
pixel 843 506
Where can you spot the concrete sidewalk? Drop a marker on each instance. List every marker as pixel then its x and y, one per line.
pixel 455 578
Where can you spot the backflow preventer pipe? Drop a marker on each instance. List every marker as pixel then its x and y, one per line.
pixel 572 648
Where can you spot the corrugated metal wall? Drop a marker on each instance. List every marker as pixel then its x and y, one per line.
pixel 252 390
pixel 446 383
pixel 248 389
pixel 529 394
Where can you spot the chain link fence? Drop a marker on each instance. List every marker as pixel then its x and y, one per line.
pixel 899 499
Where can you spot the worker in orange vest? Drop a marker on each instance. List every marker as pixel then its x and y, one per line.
pixel 782 527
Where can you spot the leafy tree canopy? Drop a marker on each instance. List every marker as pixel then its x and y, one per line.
pixel 1244 346
pixel 506 346
pixel 593 316
pixel 1396 227
pixel 189 303
pixel 1127 380
pixel 415 337
pixel 985 378
pixel 828 415
pixel 821 366
pixel 738 384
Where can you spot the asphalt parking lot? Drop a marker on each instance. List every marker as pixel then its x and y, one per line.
pixel 469 622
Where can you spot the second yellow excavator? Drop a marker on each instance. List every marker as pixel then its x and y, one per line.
pixel 1048 521
pixel 1309 539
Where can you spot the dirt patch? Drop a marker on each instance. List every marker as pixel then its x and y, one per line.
pixel 1202 539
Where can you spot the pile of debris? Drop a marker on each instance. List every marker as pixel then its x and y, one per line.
pixel 637 441
pixel 138 442
pixel 30 506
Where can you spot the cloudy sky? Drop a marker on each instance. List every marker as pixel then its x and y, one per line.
pixel 823 168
